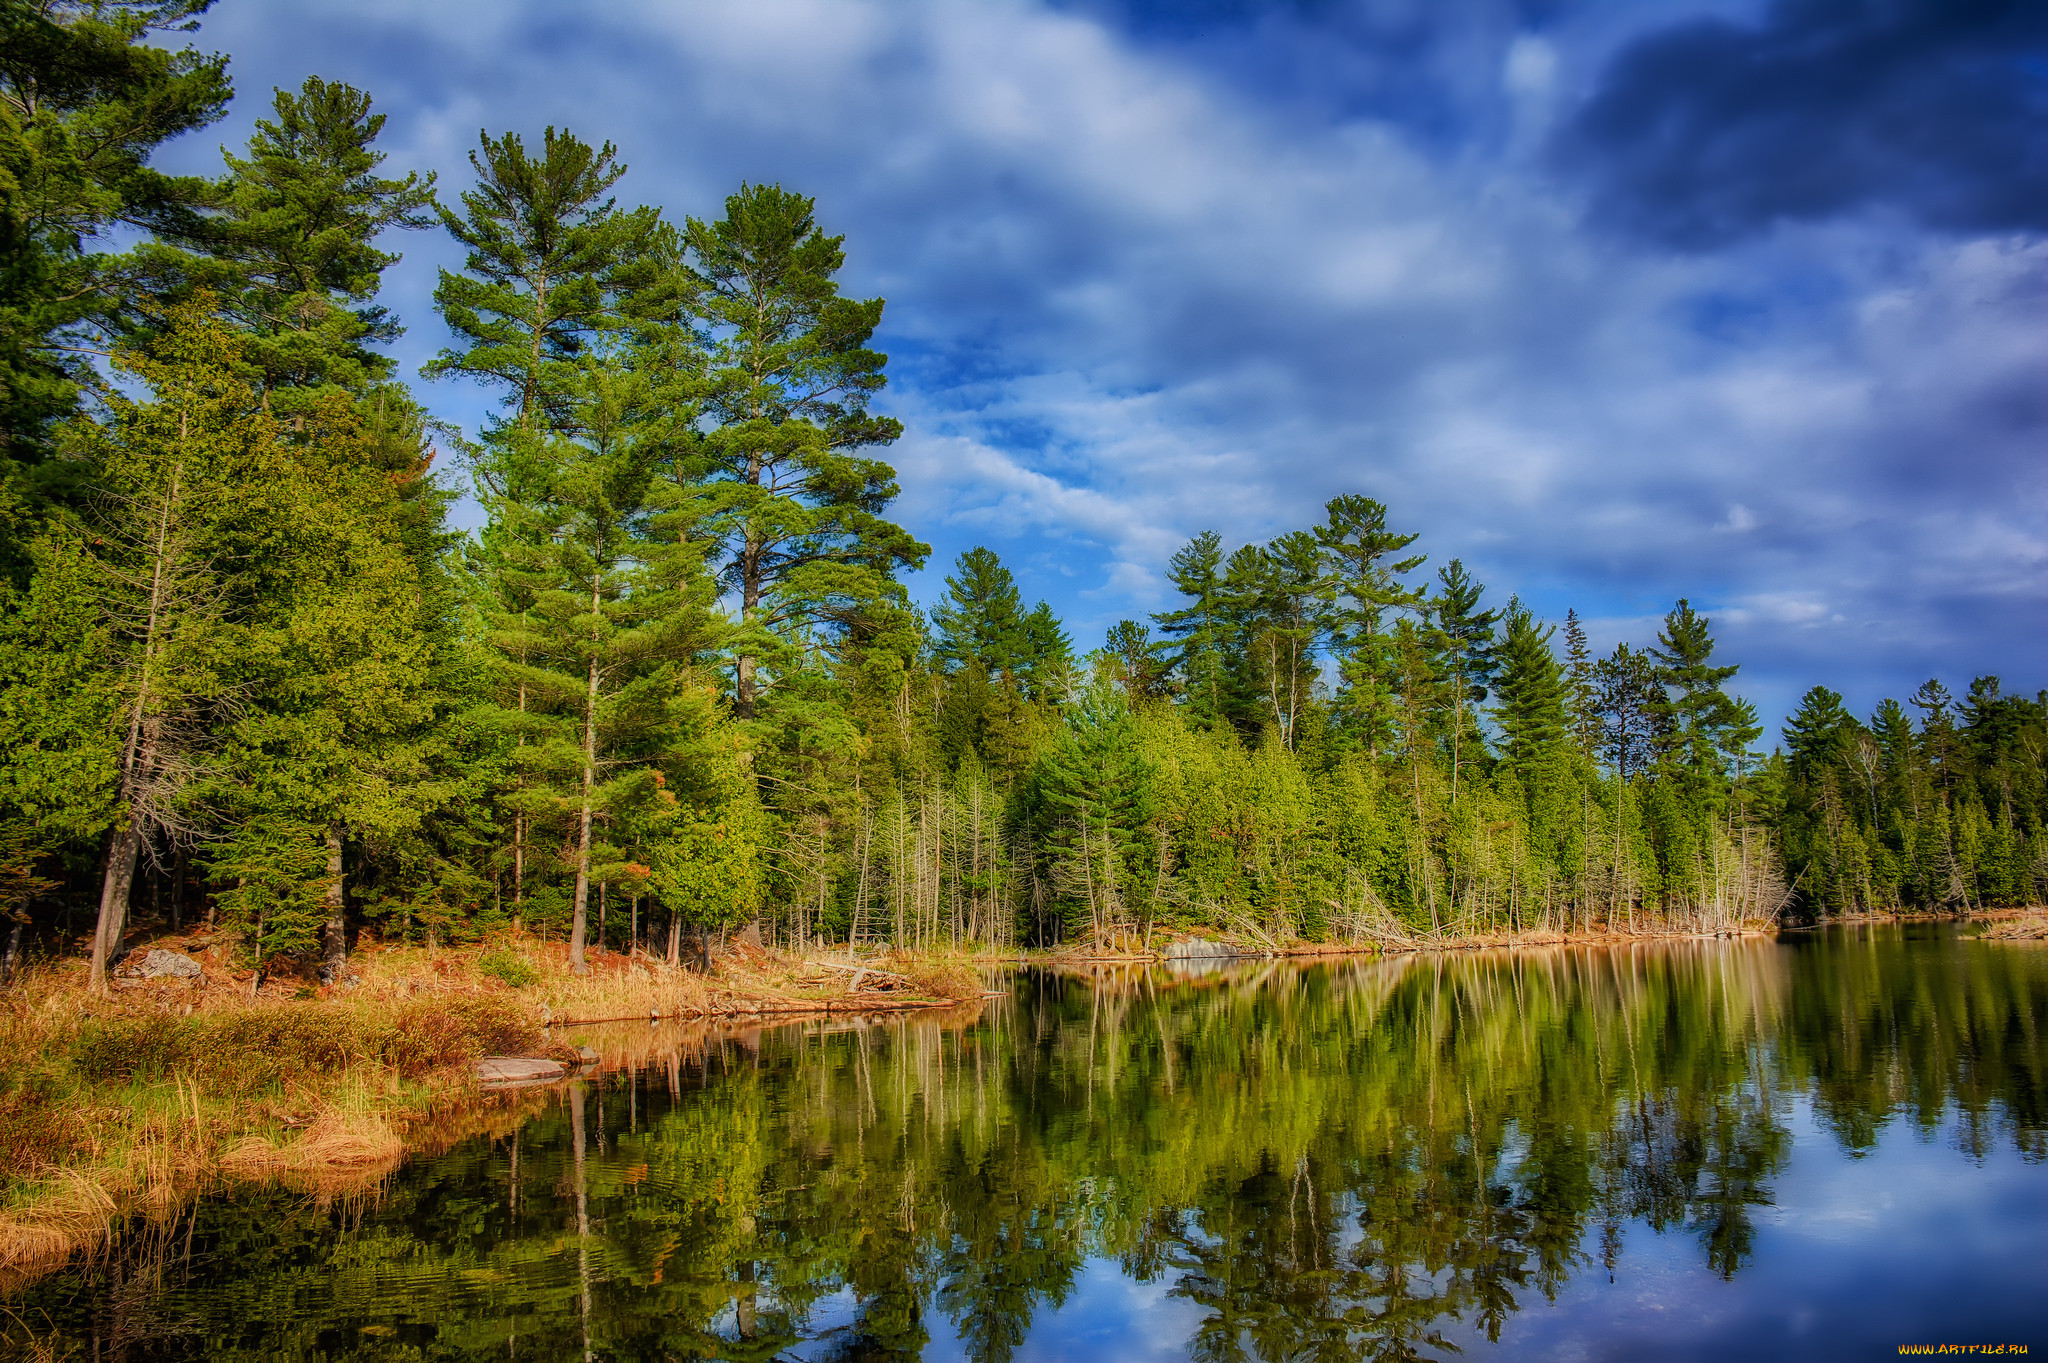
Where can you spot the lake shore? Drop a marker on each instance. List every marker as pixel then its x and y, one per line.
pixel 129 1104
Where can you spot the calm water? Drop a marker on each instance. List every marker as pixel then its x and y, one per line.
pixel 1822 1148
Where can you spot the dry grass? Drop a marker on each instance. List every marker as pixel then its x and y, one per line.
pixel 2022 925
pixel 128 1105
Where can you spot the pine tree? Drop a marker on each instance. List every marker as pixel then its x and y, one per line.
pixel 1582 696
pixel 1202 628
pixel 1366 565
pixel 1532 694
pixel 1279 599
pixel 619 604
pixel 88 93
pixel 979 623
pixel 1094 802
pixel 551 266
pixel 1464 634
pixel 1630 722
pixel 294 259
pixel 1693 708
pixel 1045 664
pixel 796 511
pixel 1134 661
pixel 184 482
pixel 1818 733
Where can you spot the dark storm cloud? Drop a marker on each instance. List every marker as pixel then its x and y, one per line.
pixel 1707 131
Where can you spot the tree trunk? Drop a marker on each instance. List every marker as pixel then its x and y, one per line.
pixel 114 890
pixel 580 925
pixel 582 1218
pixel 179 872
pixel 13 952
pixel 519 834
pixel 334 933
pixel 750 604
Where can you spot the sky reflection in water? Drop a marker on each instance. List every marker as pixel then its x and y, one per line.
pixel 1821 1148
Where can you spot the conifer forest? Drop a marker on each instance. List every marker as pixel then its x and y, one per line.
pixel 675 688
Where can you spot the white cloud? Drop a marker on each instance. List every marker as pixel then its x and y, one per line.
pixel 1130 300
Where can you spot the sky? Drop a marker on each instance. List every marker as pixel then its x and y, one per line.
pixel 1617 301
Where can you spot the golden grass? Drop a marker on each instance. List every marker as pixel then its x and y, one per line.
pixel 129 1105
pixel 2020 925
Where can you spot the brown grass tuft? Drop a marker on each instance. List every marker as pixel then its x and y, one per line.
pixel 349 1144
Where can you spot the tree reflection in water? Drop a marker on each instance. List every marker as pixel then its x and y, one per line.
pixel 1327 1162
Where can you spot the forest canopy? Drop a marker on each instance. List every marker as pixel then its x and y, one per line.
pixel 675 687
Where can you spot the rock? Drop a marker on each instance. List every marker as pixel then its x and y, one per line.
pixel 586 1056
pixel 159 963
pixel 513 1071
pixel 1197 948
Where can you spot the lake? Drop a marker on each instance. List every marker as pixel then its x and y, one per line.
pixel 1823 1147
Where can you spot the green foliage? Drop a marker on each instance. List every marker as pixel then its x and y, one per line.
pixel 88 91
pixel 508 968
pixel 244 656
pixel 1880 817
pixel 797 514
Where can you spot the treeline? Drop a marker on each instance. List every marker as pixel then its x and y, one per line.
pixel 1937 806
pixel 675 686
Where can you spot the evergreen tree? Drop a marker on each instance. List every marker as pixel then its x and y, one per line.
pixel 551 265
pixel 1366 565
pixel 1630 720
pixel 1693 710
pixel 1134 661
pixel 293 249
pixel 1464 635
pixel 1202 628
pixel 619 605
pixel 552 268
pixel 1046 659
pixel 979 623
pixel 1094 802
pixel 188 484
pixel 88 92
pixel 1818 733
pixel 1582 695
pixel 1532 712
pixel 1279 597
pixel 797 513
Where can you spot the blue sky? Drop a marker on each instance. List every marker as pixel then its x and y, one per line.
pixel 1619 302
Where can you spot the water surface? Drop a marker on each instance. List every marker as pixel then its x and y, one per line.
pixel 1823 1147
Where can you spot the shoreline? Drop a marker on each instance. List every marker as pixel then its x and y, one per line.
pixel 130 1104
pixel 147 1126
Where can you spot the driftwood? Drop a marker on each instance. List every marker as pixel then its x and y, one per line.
pixel 860 973
pixel 858 970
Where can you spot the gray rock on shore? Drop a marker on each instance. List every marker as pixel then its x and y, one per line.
pixel 158 963
pixel 515 1071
